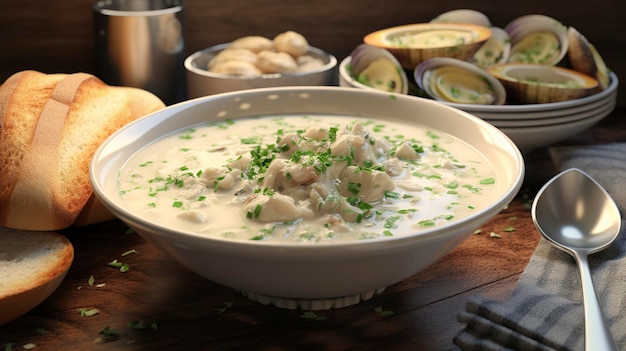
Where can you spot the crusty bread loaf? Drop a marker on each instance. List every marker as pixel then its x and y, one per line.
pixel 50 126
pixel 32 265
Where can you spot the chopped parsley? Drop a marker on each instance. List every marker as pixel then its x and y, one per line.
pixel 382 312
pixel 107 335
pixel 123 267
pixel 131 251
pixel 223 308
pixel 87 312
pixel 392 177
pixel 312 315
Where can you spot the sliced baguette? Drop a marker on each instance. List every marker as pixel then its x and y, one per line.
pixel 32 266
pixel 50 127
pixel 22 98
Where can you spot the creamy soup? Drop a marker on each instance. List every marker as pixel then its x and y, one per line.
pixel 307 179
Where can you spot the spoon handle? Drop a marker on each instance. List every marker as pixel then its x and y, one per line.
pixel 597 333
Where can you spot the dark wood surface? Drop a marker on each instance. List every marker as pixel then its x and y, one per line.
pixel 182 311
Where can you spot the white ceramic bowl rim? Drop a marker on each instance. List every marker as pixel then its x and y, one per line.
pixel 330 61
pixel 109 151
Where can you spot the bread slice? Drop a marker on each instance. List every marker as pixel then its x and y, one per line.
pixel 22 98
pixel 49 130
pixel 32 266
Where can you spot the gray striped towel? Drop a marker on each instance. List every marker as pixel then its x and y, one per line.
pixel 545 310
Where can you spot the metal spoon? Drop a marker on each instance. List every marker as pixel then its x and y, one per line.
pixel 578 216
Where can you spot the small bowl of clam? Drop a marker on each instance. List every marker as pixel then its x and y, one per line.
pixel 536 79
pixel 259 62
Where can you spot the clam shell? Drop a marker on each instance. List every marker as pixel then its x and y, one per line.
pixel 537 39
pixel 463 16
pixel 534 83
pixel 584 57
pixel 453 80
pixel 496 49
pixel 414 43
pixel 379 69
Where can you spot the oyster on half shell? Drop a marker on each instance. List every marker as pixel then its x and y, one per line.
pixel 379 69
pixel 537 39
pixel 538 84
pixel 457 81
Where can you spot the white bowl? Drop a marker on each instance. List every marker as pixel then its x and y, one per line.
pixel 201 82
pixel 308 276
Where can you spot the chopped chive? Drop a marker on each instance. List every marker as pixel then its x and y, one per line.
pixel 257 211
pixel 87 312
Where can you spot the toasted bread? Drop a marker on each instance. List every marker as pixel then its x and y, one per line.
pixel 50 126
pixel 32 266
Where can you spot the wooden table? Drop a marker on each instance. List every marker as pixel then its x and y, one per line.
pixel 158 305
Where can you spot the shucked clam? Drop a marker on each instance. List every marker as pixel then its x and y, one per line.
pixel 377 68
pixel 457 81
pixel 534 83
pixel 254 56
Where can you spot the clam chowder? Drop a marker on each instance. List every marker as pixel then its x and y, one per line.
pixel 307 179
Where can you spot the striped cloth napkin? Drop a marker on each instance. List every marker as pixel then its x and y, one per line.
pixel 545 311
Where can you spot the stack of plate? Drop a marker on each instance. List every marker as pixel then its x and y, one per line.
pixel 535 125
pixel 531 126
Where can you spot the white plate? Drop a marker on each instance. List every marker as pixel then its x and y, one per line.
pixel 515 112
pixel 531 138
pixel 602 110
pixel 549 114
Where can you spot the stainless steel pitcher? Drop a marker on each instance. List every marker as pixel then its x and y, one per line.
pixel 140 43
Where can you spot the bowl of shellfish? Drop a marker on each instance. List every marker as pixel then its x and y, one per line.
pixel 259 62
pixel 537 79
